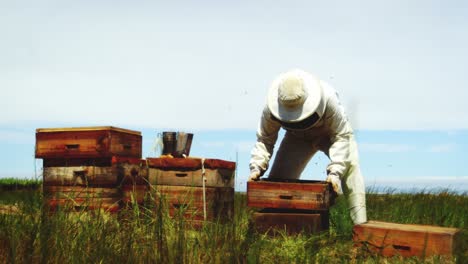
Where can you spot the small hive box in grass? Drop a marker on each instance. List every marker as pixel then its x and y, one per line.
pixel 290 205
pixel 407 240
pixel 183 182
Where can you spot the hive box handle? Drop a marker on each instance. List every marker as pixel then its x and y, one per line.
pixel 286 197
pixel 181 174
pixel 72 146
pixel 127 146
pixel 399 247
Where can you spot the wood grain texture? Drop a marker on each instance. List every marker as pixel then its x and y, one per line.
pixel 72 198
pixel 73 192
pixel 291 223
pixel 119 171
pixel 214 177
pixel 106 204
pixel 95 128
pixel 309 195
pixel 80 176
pixel 189 164
pixel 390 239
pixel 188 201
pixel 87 143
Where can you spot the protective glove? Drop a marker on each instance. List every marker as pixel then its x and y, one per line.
pixel 335 182
pixel 254 175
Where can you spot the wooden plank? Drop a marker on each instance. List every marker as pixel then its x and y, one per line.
pixel 390 239
pixel 86 143
pixel 75 162
pixel 107 204
pixel 214 177
pixel 188 172
pixel 184 164
pixel 290 222
pixel 119 171
pixel 74 192
pixel 310 195
pixel 94 128
pixel 82 198
pixel 80 176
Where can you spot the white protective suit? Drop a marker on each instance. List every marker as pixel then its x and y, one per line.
pixel 331 134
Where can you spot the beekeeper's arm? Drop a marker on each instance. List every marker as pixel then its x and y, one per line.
pixel 267 134
pixel 343 170
pixel 341 134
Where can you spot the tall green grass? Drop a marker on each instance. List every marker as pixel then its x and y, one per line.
pixel 148 235
pixel 19 184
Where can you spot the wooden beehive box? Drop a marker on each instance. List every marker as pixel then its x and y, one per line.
pixel 82 198
pixel 390 239
pixel 86 183
pixel 87 142
pixel 293 206
pixel 291 221
pixel 180 182
pixel 188 201
pixel 97 172
pixel 289 194
pixel 188 172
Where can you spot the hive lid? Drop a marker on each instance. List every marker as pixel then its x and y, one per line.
pixel 189 163
pixel 80 129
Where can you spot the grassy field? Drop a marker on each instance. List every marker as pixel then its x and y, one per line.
pixel 142 235
pixel 9 184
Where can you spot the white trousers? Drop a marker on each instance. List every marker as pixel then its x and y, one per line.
pixel 295 152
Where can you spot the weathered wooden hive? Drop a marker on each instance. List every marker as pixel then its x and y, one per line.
pixel 202 189
pixel 86 167
pixel 407 240
pixel 291 205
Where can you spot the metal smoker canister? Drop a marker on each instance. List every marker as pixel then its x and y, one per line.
pixel 169 142
pixel 184 143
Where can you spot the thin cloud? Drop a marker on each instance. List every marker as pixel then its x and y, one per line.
pixel 385 148
pixel 420 179
pixel 14 136
pixel 213 144
pixel 244 146
pixel 442 148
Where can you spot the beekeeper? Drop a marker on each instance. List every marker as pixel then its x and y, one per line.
pixel 310 112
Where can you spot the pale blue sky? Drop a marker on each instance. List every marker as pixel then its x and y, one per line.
pixel 399 66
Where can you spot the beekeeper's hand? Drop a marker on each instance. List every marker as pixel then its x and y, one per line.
pixel 254 175
pixel 335 182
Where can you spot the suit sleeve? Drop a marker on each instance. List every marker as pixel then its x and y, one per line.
pixel 267 134
pixel 341 137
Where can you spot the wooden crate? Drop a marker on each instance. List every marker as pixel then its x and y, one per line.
pixel 87 142
pixel 70 198
pixel 290 221
pixel 292 194
pixel 390 239
pixel 188 172
pixel 188 201
pixel 102 172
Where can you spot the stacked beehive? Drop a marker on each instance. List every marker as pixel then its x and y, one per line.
pixel 85 167
pixel 291 205
pixel 200 189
